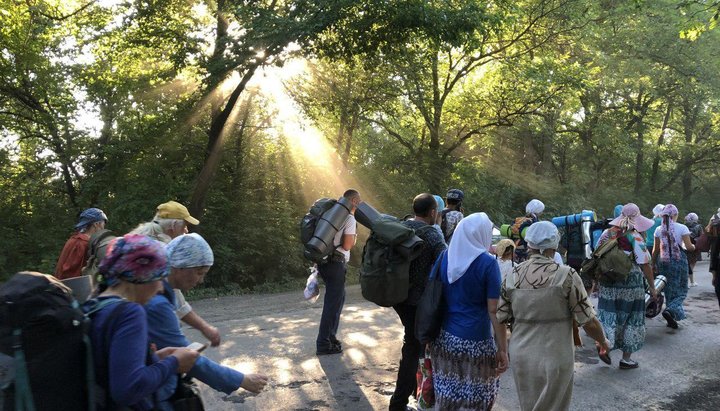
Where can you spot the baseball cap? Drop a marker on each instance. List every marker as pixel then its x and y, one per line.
pixel 89 216
pixel 455 194
pixel 177 211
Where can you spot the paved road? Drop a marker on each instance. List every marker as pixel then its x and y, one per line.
pixel 275 334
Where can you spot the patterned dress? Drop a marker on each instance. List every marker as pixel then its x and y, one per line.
pixel 673 264
pixel 621 305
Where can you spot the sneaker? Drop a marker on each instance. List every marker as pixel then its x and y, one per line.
pixel 670 320
pixel 333 349
pixel 693 284
pixel 628 364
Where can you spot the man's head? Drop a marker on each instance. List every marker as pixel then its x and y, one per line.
pixel 354 198
pixel 454 197
pixel 425 207
pixel 173 217
pixel 91 220
pixel 190 258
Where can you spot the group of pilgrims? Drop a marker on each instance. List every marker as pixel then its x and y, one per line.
pixel 530 303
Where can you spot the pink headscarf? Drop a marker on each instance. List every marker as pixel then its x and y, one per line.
pixel 669 249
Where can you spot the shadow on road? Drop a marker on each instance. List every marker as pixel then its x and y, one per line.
pixel 345 390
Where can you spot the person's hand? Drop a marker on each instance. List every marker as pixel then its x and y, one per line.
pixel 212 334
pixel 254 382
pixel 605 346
pixel 162 354
pixel 501 358
pixel 186 358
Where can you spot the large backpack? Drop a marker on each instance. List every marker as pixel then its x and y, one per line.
pixel 572 240
pixel 44 335
pixel 309 223
pixel 97 248
pixel 609 263
pixel 385 270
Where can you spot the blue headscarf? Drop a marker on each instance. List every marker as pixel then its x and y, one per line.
pixel 440 202
pixel 617 211
pixel 89 216
pixel 189 250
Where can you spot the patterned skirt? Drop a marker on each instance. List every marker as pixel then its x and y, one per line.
pixel 676 272
pixel 621 311
pixel 464 373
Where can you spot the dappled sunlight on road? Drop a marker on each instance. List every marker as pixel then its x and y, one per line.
pixel 362 339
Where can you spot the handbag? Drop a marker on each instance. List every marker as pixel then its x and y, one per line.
pixel 431 307
pixel 186 396
pixel 425 390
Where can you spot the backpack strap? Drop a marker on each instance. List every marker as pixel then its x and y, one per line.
pixel 23 393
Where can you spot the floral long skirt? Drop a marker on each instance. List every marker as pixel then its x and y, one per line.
pixel 464 373
pixel 621 311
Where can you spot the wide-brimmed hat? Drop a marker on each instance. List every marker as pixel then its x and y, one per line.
pixel 502 246
pixel 631 218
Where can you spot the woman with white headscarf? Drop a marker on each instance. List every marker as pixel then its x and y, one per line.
pixel 533 210
pixel 540 300
pixel 621 304
pixel 670 260
pixel 466 360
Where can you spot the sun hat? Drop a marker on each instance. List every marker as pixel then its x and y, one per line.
pixel 502 246
pixel 89 216
pixel 177 211
pixel 134 258
pixel 631 218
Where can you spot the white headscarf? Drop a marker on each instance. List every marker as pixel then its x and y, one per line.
pixel 542 236
pixel 534 207
pixel 472 237
pixel 657 210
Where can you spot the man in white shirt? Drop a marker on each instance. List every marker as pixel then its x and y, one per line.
pixel 333 274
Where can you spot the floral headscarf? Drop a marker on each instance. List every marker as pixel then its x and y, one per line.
pixel 189 250
pixel 134 258
pixel 669 249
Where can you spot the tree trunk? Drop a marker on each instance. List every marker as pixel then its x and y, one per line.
pixel 660 141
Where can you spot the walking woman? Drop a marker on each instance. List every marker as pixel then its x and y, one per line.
pixel 670 261
pixel 696 231
pixel 621 304
pixel 540 299
pixel 466 360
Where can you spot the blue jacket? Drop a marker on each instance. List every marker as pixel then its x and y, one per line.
pixel 164 331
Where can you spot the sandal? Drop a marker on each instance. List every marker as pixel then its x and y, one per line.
pixel 604 357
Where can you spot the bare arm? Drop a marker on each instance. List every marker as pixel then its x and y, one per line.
pixel 500 336
pixel 594 330
pixel 348 241
pixel 195 321
pixel 688 243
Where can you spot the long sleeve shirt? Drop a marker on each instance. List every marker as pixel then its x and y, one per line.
pixel 130 380
pixel 164 331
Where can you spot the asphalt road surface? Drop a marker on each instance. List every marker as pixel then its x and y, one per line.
pixel 275 334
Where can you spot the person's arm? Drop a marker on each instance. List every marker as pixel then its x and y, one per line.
pixel 689 246
pixel 348 241
pixel 655 254
pixel 500 336
pixel 648 273
pixel 594 330
pixel 130 379
pixel 195 321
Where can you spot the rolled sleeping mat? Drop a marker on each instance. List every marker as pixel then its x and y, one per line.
pixel 81 287
pixel 366 215
pixel 573 219
pixel 327 227
pixel 506 231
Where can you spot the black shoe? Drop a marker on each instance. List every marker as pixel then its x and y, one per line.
pixel 628 364
pixel 604 357
pixel 333 349
pixel 667 315
pixel 336 342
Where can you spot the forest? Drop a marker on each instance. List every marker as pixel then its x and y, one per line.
pixel 247 111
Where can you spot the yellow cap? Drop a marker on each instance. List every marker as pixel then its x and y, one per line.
pixel 177 211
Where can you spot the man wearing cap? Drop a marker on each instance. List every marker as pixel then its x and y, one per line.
pixel 453 213
pixel 74 254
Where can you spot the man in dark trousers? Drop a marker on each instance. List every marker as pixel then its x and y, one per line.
pixel 332 273
pixel 425 209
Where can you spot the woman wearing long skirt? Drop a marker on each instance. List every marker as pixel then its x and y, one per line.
pixel 466 360
pixel 621 304
pixel 540 299
pixel 671 261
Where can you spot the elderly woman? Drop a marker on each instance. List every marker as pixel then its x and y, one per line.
pixel 533 210
pixel 504 251
pixel 670 261
pixel 190 259
pixel 696 231
pixel 132 270
pixel 621 304
pixel 466 360
pixel 540 300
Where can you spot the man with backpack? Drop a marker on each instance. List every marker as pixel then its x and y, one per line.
pixel 332 271
pixel 74 254
pixel 453 213
pixel 425 209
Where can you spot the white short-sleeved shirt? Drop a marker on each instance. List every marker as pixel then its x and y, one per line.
pixel 679 229
pixel 349 228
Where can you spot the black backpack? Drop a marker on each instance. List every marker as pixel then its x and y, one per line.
pixel 44 335
pixel 385 270
pixel 308 224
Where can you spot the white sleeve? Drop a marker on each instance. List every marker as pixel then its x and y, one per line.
pixel 350 227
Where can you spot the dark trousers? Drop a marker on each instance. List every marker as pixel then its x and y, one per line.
pixel 411 351
pixel 717 289
pixel 333 274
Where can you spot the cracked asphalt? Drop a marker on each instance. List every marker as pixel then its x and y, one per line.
pixel 275 334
